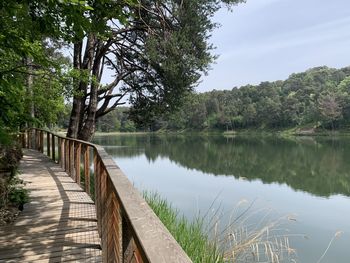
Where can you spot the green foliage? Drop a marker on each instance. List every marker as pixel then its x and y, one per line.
pixel 116 121
pixel 18 196
pixel 319 95
pixel 12 192
pixel 191 236
pixel 31 69
pixel 10 155
pixel 174 55
pixel 157 50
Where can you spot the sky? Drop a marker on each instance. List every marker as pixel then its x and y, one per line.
pixel 267 40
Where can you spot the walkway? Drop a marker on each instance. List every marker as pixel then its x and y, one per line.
pixel 58 224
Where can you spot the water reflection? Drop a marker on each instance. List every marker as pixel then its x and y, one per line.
pixel 318 166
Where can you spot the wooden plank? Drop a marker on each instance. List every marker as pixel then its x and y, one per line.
pixel 55 250
pixel 15 238
pixel 46 231
pixel 113 225
pixel 45 245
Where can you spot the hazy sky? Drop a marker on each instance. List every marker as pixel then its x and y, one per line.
pixel 270 39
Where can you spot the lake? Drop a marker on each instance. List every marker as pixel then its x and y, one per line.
pixel 302 183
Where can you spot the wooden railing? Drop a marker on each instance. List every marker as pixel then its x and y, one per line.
pixel 129 229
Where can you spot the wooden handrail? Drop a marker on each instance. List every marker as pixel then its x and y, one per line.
pixel 129 229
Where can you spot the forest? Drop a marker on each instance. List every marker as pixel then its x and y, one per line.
pixel 316 98
pixel 53 73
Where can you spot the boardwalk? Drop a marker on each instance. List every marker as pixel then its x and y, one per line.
pixel 58 225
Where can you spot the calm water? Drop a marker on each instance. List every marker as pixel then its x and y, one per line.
pixel 306 179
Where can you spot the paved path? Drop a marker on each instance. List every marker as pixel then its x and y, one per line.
pixel 57 225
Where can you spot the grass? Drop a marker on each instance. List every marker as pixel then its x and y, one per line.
pixel 239 242
pixel 190 235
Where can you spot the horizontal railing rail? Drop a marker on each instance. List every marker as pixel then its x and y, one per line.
pixel 129 229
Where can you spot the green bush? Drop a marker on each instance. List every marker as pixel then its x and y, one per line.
pixel 18 196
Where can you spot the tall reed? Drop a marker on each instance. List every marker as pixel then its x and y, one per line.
pixel 238 242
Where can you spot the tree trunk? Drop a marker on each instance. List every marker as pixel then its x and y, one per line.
pixel 83 117
pixel 89 127
pixel 31 109
pixel 74 120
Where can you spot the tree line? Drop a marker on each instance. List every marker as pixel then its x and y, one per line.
pixel 316 98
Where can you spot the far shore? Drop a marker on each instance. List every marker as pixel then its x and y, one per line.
pixel 241 132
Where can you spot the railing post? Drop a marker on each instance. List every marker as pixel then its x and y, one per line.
pixel 87 169
pixel 102 211
pixel 41 141
pixel 58 150
pixel 130 249
pixel 23 139
pixel 37 141
pixel 112 240
pixel 38 145
pixel 77 163
pixel 66 155
pixel 48 143
pixel 28 138
pixel 97 189
pixel 53 150
pixel 62 153
pixel 71 159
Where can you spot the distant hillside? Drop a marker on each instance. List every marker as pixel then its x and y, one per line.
pixel 318 97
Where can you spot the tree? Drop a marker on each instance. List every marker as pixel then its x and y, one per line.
pixel 157 50
pixel 343 91
pixel 29 69
pixel 249 114
pixel 330 108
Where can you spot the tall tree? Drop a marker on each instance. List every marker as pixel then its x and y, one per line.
pixel 330 108
pixel 155 49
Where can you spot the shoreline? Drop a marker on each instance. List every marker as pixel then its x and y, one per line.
pixel 250 132
pixel 284 133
